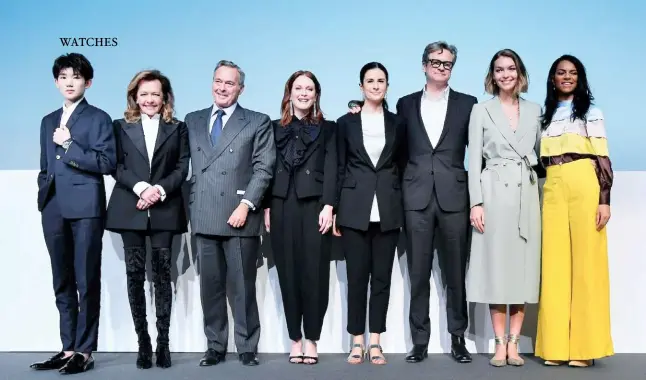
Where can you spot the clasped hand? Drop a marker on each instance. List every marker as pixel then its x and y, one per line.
pixel 61 134
pixel 148 197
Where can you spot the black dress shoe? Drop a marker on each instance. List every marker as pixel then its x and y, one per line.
pixel 249 358
pixel 145 356
pixel 212 357
pixel 417 354
pixel 55 362
pixel 77 364
pixel 459 350
pixel 163 356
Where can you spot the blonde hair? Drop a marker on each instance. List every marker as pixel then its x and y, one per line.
pixel 133 113
pixel 522 82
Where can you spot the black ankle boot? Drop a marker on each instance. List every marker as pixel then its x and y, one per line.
pixel 135 258
pixel 163 303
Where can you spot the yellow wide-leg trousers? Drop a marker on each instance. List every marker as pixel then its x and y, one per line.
pixel 574 308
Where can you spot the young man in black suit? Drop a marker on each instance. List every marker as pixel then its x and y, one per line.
pixel 77 150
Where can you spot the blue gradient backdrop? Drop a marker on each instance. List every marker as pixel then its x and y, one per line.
pixel 333 38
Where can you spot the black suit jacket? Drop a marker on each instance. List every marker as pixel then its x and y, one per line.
pixel 169 170
pixel 439 168
pixel 359 178
pixel 316 175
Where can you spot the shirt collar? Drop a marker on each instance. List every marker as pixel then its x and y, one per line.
pixel 228 111
pixel 145 117
pixel 444 95
pixel 72 107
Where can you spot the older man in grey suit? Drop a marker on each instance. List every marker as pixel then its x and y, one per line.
pixel 233 156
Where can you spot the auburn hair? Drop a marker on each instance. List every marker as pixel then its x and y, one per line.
pixel 133 113
pixel 315 115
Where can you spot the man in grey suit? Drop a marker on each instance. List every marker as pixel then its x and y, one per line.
pixel 233 156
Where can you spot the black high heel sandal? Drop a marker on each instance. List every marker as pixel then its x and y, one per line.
pixel 313 359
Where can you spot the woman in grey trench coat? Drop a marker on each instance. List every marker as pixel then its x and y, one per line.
pixel 504 266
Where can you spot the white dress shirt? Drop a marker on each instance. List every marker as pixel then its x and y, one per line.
pixel 225 118
pixel 374 139
pixel 67 111
pixel 433 111
pixel 150 127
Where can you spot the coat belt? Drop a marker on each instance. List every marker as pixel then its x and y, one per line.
pixel 527 180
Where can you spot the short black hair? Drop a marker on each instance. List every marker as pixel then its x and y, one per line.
pixel 76 62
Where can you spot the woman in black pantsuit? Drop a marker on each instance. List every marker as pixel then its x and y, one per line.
pixel 370 210
pixel 152 165
pixel 299 208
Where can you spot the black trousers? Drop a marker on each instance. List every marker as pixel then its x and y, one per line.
pixel 75 247
pixel 134 244
pixel 302 257
pixel 369 257
pixel 426 230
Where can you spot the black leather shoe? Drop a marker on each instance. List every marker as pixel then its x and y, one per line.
pixel 212 357
pixel 249 358
pixel 459 350
pixel 55 362
pixel 417 354
pixel 77 364
pixel 163 356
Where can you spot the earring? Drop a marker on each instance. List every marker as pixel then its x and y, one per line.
pixel 314 112
pixel 291 108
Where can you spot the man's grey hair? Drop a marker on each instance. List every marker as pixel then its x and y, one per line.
pixel 439 46
pixel 233 66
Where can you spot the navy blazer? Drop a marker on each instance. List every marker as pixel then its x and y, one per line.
pixel 77 174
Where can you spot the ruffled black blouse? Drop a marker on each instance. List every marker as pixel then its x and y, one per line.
pixel 293 140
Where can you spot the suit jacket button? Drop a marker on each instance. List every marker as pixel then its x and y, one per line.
pixel 222 193
pixel 58 157
pixel 230 150
pixel 199 149
pixel 307 171
pixel 224 173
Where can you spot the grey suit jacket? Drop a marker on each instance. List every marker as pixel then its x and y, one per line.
pixel 239 166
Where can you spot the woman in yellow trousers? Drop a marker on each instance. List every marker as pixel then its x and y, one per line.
pixel 574 308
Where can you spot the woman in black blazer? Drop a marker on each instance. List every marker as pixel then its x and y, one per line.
pixel 299 208
pixel 370 211
pixel 152 165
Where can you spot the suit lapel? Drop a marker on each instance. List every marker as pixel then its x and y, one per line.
pixel 524 121
pixel 75 114
pixel 233 127
pixel 135 132
pixel 452 109
pixel 494 109
pixel 389 125
pixel 163 132
pixel 355 132
pixel 202 131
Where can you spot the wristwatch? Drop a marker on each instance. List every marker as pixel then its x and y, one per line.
pixel 66 144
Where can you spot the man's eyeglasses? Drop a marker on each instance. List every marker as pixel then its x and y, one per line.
pixel 435 63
